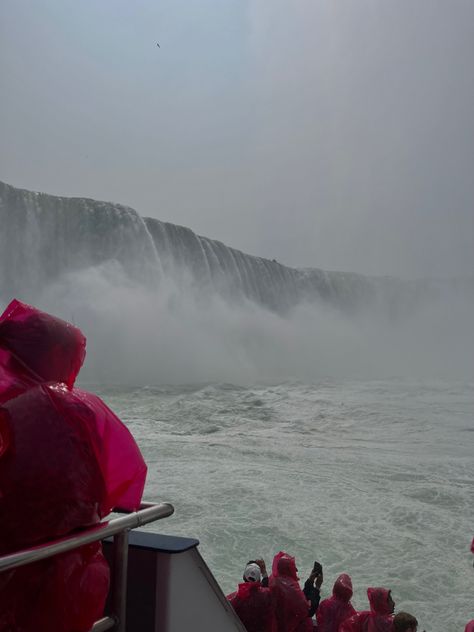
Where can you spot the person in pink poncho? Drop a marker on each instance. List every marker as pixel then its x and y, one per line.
pixel 66 461
pixel 470 626
pixel 378 619
pixel 333 611
pixel 252 602
pixel 291 605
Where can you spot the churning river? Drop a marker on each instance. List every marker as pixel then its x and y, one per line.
pixel 373 478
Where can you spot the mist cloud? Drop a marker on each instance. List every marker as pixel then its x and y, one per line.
pixel 140 336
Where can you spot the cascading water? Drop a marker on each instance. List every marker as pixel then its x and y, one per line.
pixel 43 236
pixel 224 270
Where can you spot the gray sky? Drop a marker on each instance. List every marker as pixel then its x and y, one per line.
pixel 329 133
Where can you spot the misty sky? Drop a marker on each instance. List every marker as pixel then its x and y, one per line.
pixel 327 133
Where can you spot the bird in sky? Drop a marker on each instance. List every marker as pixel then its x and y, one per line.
pixel 158 45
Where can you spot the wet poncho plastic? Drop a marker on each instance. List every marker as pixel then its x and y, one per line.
pixel 36 347
pixel 50 478
pixel 39 350
pixel 470 626
pixel 65 461
pixel 291 605
pixel 377 619
pixel 254 606
pixel 65 593
pixel 333 611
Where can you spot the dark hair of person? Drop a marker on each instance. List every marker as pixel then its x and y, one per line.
pixel 404 621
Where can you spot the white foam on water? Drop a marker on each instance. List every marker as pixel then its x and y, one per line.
pixel 373 478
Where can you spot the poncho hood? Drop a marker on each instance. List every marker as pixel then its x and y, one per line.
pixel 378 599
pixel 284 565
pixel 342 588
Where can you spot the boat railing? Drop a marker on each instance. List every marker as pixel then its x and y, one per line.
pixel 118 528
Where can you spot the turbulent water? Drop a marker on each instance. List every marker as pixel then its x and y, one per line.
pixel 373 478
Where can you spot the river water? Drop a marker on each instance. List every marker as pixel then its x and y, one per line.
pixel 373 478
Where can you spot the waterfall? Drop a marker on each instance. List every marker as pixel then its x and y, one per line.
pixel 232 273
pixel 44 236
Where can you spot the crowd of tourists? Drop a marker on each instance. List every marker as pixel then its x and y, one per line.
pixel 277 603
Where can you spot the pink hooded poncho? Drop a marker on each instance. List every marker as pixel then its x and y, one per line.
pixel 36 347
pixel 254 606
pixel 378 619
pixel 291 605
pixel 470 626
pixel 65 461
pixel 59 446
pixel 333 611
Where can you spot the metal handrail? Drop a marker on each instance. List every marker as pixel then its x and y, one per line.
pixel 148 512
pixel 117 527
